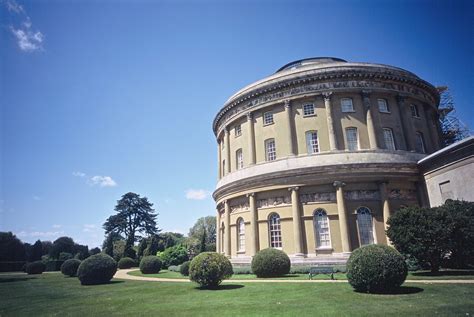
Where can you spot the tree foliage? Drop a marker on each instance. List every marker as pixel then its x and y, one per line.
pixel 108 244
pixel 202 236
pixel 11 248
pixel 135 216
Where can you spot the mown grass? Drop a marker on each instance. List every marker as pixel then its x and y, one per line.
pixel 53 294
pixel 421 275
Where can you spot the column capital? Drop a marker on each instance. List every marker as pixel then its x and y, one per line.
pixel 250 195
pixel 226 130
pixel 401 99
pixel 293 188
pixel 249 116
pixel 287 103
pixel 365 93
pixel 327 95
pixel 338 184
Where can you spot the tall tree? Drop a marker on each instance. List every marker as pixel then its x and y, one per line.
pixel 36 251
pixel 11 248
pixel 202 236
pixel 62 244
pixel 108 244
pixel 135 216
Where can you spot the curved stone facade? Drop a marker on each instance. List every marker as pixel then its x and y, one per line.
pixel 314 158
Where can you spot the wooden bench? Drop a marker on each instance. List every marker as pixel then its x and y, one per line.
pixel 321 270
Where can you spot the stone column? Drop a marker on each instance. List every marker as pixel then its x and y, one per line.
pixel 288 128
pixel 219 160
pixel 406 125
pixel 341 211
pixel 227 151
pixel 226 228
pixel 251 138
pixel 331 133
pixel 385 205
pixel 432 129
pixel 296 213
pixel 254 237
pixel 218 231
pixel 369 121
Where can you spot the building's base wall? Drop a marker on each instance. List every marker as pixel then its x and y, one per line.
pixel 333 260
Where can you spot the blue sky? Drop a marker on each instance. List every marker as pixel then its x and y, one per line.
pixel 99 98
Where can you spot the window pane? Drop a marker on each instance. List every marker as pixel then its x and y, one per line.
pixel 420 144
pixel 241 235
pixel 388 138
pixel 383 106
pixel 364 223
pixel 414 110
pixel 270 150
pixel 312 143
pixel 238 130
pixel 267 118
pixel 308 110
pixel 275 231
pixel 321 225
pixel 346 105
pixel 351 139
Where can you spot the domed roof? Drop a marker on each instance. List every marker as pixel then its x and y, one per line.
pixel 311 61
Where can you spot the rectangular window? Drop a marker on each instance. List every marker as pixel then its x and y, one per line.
pixel 420 143
pixel 346 105
pixel 239 157
pixel 270 150
pixel 267 118
pixel 238 130
pixel 383 105
pixel 352 139
pixel 414 111
pixel 312 143
pixel 388 138
pixel 308 110
pixel 446 191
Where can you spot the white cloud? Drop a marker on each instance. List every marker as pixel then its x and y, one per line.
pixel 40 234
pixel 13 6
pixel 56 226
pixel 79 174
pixel 102 181
pixel 89 228
pixel 197 194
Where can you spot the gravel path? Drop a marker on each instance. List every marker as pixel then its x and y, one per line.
pixel 123 274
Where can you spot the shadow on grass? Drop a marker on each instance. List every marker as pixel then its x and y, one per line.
pixel 402 290
pixel 221 287
pixel 445 273
pixel 15 279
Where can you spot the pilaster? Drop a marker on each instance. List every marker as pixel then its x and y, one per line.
pixel 341 211
pixel 227 244
pixel 331 133
pixel 254 237
pixel 385 206
pixel 369 121
pixel 251 138
pixel 296 213
pixel 407 128
pixel 288 128
pixel 227 150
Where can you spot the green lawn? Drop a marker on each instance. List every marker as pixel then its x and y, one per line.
pixel 421 275
pixel 53 294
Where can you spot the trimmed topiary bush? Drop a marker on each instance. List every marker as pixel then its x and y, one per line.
pixel 376 269
pixel 150 264
pixel 70 267
pixel 271 263
pixel 208 269
pixel 36 267
pixel 126 263
pixel 97 269
pixel 184 268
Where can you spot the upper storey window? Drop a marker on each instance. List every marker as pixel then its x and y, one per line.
pixel 267 118
pixel 420 143
pixel 346 105
pixel 308 110
pixel 238 130
pixel 312 143
pixel 352 139
pixel 414 111
pixel 388 138
pixel 383 105
pixel 270 150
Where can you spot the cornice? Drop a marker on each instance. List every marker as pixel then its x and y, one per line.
pixel 286 82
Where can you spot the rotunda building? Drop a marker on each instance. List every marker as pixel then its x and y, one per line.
pixel 314 158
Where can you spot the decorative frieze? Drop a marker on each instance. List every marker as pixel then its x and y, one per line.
pixel 274 201
pixel 317 197
pixel 240 207
pixel 362 195
pixel 402 194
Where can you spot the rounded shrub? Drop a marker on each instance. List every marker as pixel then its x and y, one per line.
pixel 184 268
pixel 376 269
pixel 126 263
pixel 271 263
pixel 97 269
pixel 150 264
pixel 208 269
pixel 36 267
pixel 69 267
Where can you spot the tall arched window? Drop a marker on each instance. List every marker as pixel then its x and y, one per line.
pixel 419 143
pixel 239 159
pixel 352 139
pixel 275 231
pixel 222 238
pixel 321 227
pixel 365 226
pixel 240 235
